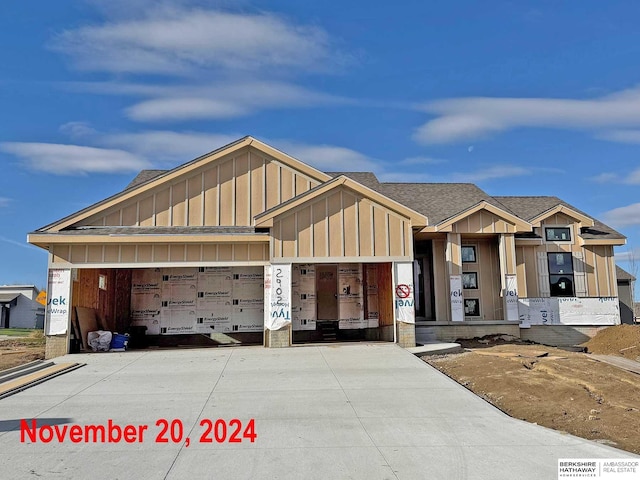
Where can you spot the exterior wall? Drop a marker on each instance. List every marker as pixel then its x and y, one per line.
pixel 338 226
pixel 406 334
pixel 226 192
pixel 158 254
pixel 450 332
pixel 441 280
pixel 278 338
pixel 56 346
pixel 625 295
pixel 27 313
pixel 483 221
pixel 559 335
pixel 487 267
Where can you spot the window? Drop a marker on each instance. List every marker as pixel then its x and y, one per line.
pixel 472 307
pixel 558 234
pixel 470 280
pixel 561 274
pixel 468 254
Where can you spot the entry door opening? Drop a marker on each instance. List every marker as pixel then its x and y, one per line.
pixel 327 293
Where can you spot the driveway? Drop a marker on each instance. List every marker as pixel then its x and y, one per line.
pixel 365 411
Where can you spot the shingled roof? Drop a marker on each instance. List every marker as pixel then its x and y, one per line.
pixel 623 275
pixel 144 176
pixel 530 207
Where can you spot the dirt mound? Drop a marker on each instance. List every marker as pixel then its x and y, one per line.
pixel 490 340
pixel 621 340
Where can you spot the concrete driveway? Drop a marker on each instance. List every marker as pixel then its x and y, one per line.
pixel 366 411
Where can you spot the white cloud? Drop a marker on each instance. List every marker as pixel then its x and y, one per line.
pixel 77 129
pixel 623 216
pixel 476 117
pixel 224 100
pixel 167 146
pixel 4 202
pixel 328 158
pixel 630 178
pixel 178 40
pixel 62 159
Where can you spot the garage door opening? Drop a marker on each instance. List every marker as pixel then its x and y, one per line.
pixel 342 302
pixel 172 306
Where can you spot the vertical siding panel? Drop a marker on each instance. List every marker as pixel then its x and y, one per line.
pixel 162 208
pixel 350 225
pixel 211 197
pixel 226 186
pixel 145 213
pixel 257 186
pixel 521 272
pixel 301 184
pixel 320 247
pixel 288 226
pixel 194 188
pixel 242 193
pixel 179 202
pixel 335 225
pixel 380 231
pixel 130 215
pixel 395 236
pixel 365 227
pixel 272 185
pixel 304 232
pixel 286 184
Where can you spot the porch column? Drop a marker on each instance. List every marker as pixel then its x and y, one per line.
pixel 58 313
pixel 404 312
pixel 508 279
pixel 453 256
pixel 277 305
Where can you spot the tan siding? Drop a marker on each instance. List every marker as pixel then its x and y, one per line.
pixel 194 187
pixel 350 225
pixel 240 252
pixel 320 247
pixel 335 225
pixel 589 265
pixel 127 253
pixel 257 186
pixel 194 253
pixel 211 209
pixel 365 224
pixel 242 191
pixel 113 219
pixel 601 271
pixel 227 204
pixel 160 253
pixel 112 253
pixel 441 281
pixel 273 185
pixel 381 235
pixel 521 272
pixel 177 253
pixel 162 208
pixel 256 252
pixel 531 263
pixel 302 184
pixel 94 254
pixel 130 215
pixel 225 253
pixel 179 202
pixel 146 212
pixel 286 184
pixel 304 233
pixel 78 253
pixel 145 253
pixel 395 236
pixel 288 229
pixel 209 253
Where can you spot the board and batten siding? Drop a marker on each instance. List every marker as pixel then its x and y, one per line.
pixel 483 221
pixel 338 225
pixel 227 192
pixel 158 253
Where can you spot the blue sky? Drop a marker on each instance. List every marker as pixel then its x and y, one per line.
pixel 521 98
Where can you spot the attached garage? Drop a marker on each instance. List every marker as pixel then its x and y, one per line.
pixel 242 245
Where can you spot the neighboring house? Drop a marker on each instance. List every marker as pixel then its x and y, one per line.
pixel 19 308
pixel 252 245
pixel 625 295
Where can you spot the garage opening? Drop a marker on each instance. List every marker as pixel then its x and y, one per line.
pixel 172 306
pixel 342 302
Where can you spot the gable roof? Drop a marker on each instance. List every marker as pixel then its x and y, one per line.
pixel 264 218
pixel 622 274
pixel 532 207
pixel 147 180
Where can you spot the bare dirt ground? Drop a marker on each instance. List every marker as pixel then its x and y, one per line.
pixel 19 350
pixel 566 391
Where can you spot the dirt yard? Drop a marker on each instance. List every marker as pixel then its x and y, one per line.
pixel 21 349
pixel 566 391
